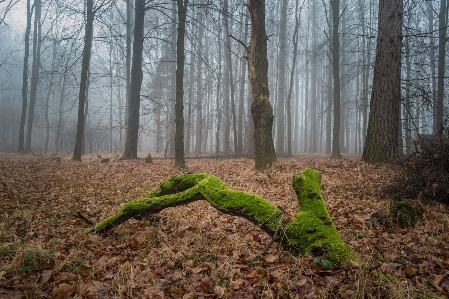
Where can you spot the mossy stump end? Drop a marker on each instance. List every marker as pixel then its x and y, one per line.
pixel 311 230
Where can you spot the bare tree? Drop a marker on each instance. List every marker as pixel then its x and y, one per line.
pixel 179 106
pixel 88 35
pixel 25 79
pixel 37 42
pixel 132 128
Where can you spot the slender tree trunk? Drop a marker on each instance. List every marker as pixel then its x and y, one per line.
pixel 239 150
pixel 129 4
pixel 47 99
pixel 430 19
pixel 292 75
pixel 261 109
pixel 179 106
pixel 37 42
pixel 172 85
pixel 199 95
pixel 382 144
pixel 313 83
pixel 336 74
pixel 86 113
pixel 83 81
pixel 442 37
pixel 330 94
pixel 218 102
pixel 132 129
pixel 21 147
pixel 280 99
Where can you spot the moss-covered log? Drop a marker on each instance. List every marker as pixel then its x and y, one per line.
pixel 310 230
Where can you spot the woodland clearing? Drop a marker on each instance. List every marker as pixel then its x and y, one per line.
pixel 194 251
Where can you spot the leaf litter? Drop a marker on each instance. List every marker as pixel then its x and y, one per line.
pixel 194 251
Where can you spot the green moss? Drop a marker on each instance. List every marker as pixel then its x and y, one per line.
pixel 404 213
pixel 310 230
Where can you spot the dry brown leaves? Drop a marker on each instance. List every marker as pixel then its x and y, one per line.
pixel 194 251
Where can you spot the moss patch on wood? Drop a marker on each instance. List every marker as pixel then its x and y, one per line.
pixel 310 230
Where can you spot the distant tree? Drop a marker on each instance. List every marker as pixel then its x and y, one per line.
pixel 335 4
pixel 442 38
pixel 179 106
pixel 21 147
pixel 382 140
pixel 37 42
pixel 88 34
pixel 132 128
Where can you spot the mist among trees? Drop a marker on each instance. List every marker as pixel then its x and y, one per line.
pixel 260 79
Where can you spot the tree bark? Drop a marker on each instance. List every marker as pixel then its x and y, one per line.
pixel 310 230
pixel 442 37
pixel 179 106
pixel 382 143
pixel 132 129
pixel 21 147
pixel 83 82
pixel 280 101
pixel 37 42
pixel 292 75
pixel 261 109
pixel 336 74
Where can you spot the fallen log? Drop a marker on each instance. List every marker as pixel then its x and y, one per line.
pixel 311 230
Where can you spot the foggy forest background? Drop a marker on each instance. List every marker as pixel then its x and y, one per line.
pixel 217 93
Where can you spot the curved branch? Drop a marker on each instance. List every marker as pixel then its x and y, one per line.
pixel 310 230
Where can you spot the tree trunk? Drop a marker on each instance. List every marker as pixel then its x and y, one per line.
pixel 132 129
pixel 442 36
pixel 21 147
pixel 336 74
pixel 37 42
pixel 83 81
pixel 199 94
pixel 129 4
pixel 382 144
pixel 179 106
pixel 280 99
pixel 217 103
pixel 230 73
pixel 430 19
pixel 313 83
pixel 47 99
pixel 292 75
pixel 261 109
pixel 311 230
pixel 330 91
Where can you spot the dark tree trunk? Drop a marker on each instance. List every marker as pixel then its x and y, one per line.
pixel 382 143
pixel 25 80
pixel 129 4
pixel 132 129
pixel 37 42
pixel 179 106
pixel 442 36
pixel 83 81
pixel 261 109
pixel 336 73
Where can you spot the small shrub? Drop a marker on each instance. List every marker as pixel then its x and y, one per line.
pixel 404 213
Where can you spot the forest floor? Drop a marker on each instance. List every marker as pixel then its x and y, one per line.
pixel 194 251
